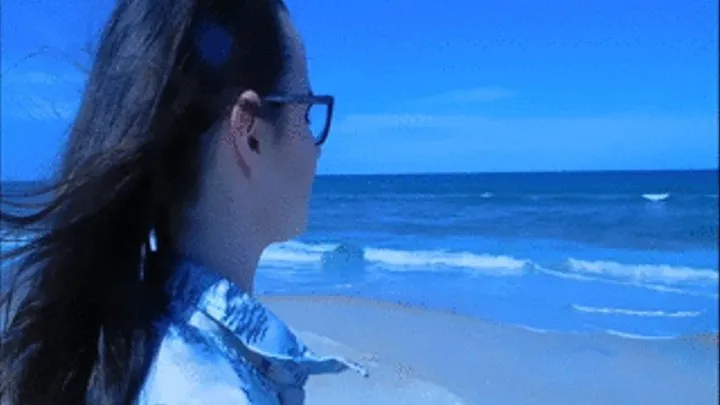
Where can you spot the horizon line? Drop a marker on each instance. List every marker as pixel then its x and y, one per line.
pixel 446 173
pixel 712 169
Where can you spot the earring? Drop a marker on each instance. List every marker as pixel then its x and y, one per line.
pixel 152 244
pixel 152 240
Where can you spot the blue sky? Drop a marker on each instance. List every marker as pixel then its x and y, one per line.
pixel 431 86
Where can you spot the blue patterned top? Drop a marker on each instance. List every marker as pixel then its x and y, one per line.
pixel 224 347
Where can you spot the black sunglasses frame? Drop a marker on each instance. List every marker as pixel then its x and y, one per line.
pixel 310 99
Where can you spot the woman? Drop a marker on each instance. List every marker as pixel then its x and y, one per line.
pixel 190 154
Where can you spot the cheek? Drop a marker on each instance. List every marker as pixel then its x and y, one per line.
pixel 296 164
pixel 303 147
pixel 298 153
pixel 306 157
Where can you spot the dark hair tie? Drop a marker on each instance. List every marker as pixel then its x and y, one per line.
pixel 213 43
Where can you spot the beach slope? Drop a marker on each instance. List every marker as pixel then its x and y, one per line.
pixel 426 357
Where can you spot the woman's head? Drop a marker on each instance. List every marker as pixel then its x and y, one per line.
pixel 259 163
pixel 191 105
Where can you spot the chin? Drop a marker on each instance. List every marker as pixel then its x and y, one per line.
pixel 292 230
pixel 299 229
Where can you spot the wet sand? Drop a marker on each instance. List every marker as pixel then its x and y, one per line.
pixel 418 356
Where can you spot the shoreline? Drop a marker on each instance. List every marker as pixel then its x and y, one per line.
pixel 710 337
pixel 425 356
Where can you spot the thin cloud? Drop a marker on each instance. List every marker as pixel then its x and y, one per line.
pixel 618 134
pixel 36 108
pixel 354 123
pixel 631 127
pixel 40 78
pixel 467 96
pixel 41 95
pixel 371 122
pixel 479 143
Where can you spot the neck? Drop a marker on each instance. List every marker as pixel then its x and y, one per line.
pixel 223 245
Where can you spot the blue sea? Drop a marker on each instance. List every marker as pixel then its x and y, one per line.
pixel 633 254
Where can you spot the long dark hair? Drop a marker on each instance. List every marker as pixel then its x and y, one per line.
pixel 165 71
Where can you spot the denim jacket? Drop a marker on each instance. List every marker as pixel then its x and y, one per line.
pixel 224 347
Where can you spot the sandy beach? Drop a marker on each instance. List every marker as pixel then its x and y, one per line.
pixel 420 356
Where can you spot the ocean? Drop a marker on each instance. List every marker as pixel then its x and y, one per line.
pixel 633 254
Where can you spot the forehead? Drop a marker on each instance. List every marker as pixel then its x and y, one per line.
pixel 296 77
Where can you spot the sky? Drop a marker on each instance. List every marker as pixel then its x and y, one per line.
pixel 435 86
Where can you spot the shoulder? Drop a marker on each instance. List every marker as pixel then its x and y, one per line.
pixel 187 372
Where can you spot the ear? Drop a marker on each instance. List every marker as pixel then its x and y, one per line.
pixel 243 117
pixel 242 130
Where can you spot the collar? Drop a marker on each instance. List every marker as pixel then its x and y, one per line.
pixel 218 306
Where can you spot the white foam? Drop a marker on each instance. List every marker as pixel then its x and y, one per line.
pixel 566 275
pixel 658 277
pixel 295 252
pixel 656 197
pixel 411 260
pixel 644 273
pixel 531 329
pixel 634 336
pixel 599 279
pixel 633 312
pixel 665 289
pixel 403 260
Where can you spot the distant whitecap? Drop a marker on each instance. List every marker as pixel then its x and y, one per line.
pixel 656 197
